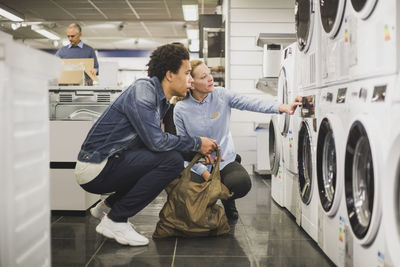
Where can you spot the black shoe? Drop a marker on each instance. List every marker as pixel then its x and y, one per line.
pixel 238 158
pixel 230 209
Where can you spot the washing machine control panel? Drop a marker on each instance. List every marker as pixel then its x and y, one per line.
pixel 308 106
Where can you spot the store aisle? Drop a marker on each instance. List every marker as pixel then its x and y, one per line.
pixel 264 235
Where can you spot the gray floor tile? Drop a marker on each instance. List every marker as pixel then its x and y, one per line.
pixel 264 235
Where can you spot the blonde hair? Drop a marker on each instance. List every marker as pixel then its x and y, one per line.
pixel 194 64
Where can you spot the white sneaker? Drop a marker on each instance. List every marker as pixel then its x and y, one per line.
pixel 100 210
pixel 123 233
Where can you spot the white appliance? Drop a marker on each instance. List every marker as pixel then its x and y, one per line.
pixel 308 40
pixel 66 138
pixel 24 157
pixel 334 41
pixel 287 91
pixel 391 198
pixel 275 159
pixel 306 162
pixel 373 32
pixel 333 122
pixel 366 151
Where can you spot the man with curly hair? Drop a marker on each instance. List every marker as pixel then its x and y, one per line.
pixel 126 153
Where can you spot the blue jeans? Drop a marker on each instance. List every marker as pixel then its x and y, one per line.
pixel 136 177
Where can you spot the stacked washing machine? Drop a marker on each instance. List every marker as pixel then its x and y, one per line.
pixel 275 160
pixel 308 81
pixel 359 77
pixel 391 198
pixel 289 133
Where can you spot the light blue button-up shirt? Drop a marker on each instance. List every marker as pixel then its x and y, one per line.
pixel 211 118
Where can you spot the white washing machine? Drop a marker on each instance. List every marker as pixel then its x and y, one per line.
pixel 275 161
pixel 391 198
pixel 286 94
pixel 366 151
pixel 308 40
pixel 334 42
pixel 373 32
pixel 306 162
pixel 333 122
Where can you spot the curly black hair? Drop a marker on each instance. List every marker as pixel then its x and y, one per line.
pixel 166 58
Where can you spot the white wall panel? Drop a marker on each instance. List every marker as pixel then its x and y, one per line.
pixel 248 157
pixel 262 4
pixel 246 72
pixel 243 86
pixel 247 58
pixel 263 15
pixel 253 29
pixel 242 128
pixel 248 43
pixel 245 116
pixel 244 143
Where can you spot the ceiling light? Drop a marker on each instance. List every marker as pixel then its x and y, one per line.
pixel 15 26
pixel 192 33
pixel 9 14
pixel 190 12
pixel 39 29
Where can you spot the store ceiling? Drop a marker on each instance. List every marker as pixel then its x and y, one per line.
pixel 106 24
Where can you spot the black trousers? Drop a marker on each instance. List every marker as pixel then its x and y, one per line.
pixel 234 176
pixel 136 177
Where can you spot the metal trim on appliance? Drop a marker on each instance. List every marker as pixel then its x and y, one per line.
pixel 304 152
pixel 274 151
pixel 333 31
pixel 282 75
pixel 304 45
pixel 366 10
pixel 356 138
pixel 327 186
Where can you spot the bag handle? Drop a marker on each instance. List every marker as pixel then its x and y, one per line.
pixel 196 159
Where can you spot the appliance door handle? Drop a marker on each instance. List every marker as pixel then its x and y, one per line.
pixel 84 111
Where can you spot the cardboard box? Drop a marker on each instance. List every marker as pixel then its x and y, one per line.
pixel 76 71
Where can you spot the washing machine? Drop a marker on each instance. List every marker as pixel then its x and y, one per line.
pixel 308 40
pixel 275 158
pixel 373 32
pixel 306 161
pixel 333 121
pixel 367 147
pixel 286 94
pixel 391 198
pixel 334 44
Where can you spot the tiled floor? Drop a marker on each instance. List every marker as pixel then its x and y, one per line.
pixel 264 235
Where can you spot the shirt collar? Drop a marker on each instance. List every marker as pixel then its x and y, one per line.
pixel 80 45
pixel 159 89
pixel 205 100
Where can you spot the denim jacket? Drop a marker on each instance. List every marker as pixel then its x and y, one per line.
pixel 133 120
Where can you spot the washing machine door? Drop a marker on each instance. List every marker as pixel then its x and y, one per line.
pixel 304 18
pixel 392 201
pixel 359 180
pixel 274 146
pixel 331 15
pixel 284 119
pixel 326 165
pixel 363 8
pixel 304 158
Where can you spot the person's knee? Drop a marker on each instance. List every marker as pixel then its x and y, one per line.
pixel 174 161
pixel 241 187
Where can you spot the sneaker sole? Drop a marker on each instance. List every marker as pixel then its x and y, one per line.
pixel 107 233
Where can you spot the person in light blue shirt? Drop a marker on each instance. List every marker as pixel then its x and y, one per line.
pixel 206 112
pixel 76 48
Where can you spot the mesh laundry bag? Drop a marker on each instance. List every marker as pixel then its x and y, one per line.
pixel 191 208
